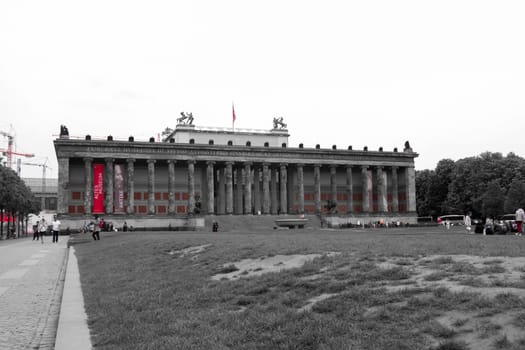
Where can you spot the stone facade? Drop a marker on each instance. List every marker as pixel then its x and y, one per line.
pixel 217 177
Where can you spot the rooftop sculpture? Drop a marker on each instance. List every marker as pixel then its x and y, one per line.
pixel 278 123
pixel 187 118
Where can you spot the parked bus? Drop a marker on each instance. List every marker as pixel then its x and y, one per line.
pixel 452 219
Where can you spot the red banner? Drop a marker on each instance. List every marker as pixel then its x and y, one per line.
pixel 98 188
pixel 119 188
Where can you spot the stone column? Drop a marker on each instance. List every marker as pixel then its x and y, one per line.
pixel 247 188
pixel 211 187
pixel 191 187
pixel 411 189
pixel 151 186
pixel 221 205
pixel 256 190
pixel 171 186
pixel 109 185
pixel 300 184
pixel 284 190
pixel 349 190
pixel 273 189
pixel 266 189
pixel 366 193
pixel 395 195
pixel 88 180
pixel 238 191
pixel 131 186
pixel 317 188
pixel 333 183
pixel 229 187
pixel 381 190
pixel 63 185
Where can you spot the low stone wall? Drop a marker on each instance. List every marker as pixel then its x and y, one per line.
pixel 75 224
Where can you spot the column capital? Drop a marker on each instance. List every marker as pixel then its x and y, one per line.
pixel 394 167
pixel 131 160
pixel 229 163
pixel 109 160
pixel 210 162
pixel 349 166
pixel 151 161
pixel 364 167
pixel 333 166
pixel 191 161
pixel 87 159
pixel 379 167
pixel 283 165
pixel 248 163
pixel 171 161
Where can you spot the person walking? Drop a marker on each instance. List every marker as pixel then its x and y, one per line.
pixel 96 228
pixel 42 229
pixel 35 231
pixel 520 217
pixel 468 223
pixel 56 228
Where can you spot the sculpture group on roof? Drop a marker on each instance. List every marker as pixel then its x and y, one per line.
pixel 63 130
pixel 278 123
pixel 187 118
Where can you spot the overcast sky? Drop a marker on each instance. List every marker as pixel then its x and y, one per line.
pixel 449 76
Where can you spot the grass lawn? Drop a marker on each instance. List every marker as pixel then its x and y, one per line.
pixel 407 288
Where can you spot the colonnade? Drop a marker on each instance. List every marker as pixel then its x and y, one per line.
pixel 265 188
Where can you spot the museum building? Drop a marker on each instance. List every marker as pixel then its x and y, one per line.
pixel 201 171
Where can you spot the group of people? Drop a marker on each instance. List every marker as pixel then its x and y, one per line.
pixel 40 229
pixel 489 223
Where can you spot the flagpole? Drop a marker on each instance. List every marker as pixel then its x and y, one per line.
pixel 233 117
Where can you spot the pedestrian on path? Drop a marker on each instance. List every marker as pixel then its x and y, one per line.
pixel 468 223
pixel 56 228
pixel 96 228
pixel 36 227
pixel 42 229
pixel 520 217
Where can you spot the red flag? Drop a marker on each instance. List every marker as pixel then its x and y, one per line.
pixel 233 113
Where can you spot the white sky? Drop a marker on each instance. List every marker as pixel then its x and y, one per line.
pixel 449 76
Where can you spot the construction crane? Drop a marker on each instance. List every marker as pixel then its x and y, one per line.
pixel 9 151
pixel 44 167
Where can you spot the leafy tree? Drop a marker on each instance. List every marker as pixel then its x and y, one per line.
pixel 493 200
pixel 15 197
pixel 423 179
pixel 463 185
pixel 515 196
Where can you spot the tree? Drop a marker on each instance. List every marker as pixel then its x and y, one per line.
pixel 15 197
pixel 493 200
pixel 423 201
pixel 515 196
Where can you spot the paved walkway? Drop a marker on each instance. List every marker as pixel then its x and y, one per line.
pixel 32 279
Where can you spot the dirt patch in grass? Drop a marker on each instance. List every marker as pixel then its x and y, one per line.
pixel 494 275
pixel 190 250
pixel 266 264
